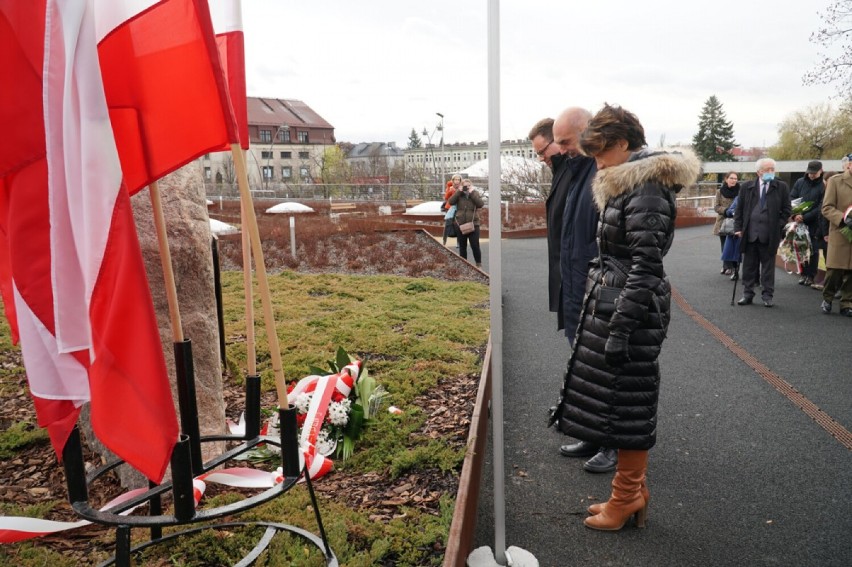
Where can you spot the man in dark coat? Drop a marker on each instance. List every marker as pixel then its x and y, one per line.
pixel 761 214
pixel 541 137
pixel 810 188
pixel 579 218
pixel 578 246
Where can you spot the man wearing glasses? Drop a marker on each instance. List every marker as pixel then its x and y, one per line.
pixel 541 137
pixel 578 247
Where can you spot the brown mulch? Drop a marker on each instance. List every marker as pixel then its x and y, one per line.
pixel 34 477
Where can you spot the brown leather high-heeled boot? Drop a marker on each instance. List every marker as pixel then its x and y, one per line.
pixel 597 508
pixel 627 498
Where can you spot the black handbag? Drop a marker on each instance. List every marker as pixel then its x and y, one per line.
pixel 606 300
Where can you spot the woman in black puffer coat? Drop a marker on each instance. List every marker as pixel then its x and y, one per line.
pixel 613 379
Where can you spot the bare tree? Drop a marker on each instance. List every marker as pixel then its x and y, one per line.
pixel 227 170
pixel 817 132
pixel 835 29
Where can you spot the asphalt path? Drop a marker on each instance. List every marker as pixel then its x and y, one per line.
pixel 740 475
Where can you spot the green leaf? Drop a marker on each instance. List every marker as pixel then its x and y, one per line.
pixel 364 388
pixel 342 359
pixel 346 448
pixel 356 422
pixel 318 371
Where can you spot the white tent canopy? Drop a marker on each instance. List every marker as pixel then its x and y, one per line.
pixel 290 208
pixel 219 228
pixel 513 169
pixel 427 208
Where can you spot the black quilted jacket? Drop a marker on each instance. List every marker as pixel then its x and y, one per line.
pixel 617 406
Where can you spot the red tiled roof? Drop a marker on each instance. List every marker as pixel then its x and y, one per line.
pixel 278 111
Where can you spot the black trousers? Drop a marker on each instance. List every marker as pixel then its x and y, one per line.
pixel 758 267
pixel 473 238
pixel 810 269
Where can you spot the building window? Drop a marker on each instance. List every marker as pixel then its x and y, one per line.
pixel 304 155
pixel 286 172
pixel 266 136
pixel 208 173
pixel 266 155
pixel 267 172
pixel 303 137
pixel 304 172
pixel 206 156
pixel 286 155
pixel 284 135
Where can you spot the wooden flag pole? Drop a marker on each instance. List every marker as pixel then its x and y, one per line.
pixel 166 261
pixel 251 351
pixel 262 282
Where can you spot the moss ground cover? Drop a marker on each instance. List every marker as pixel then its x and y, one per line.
pixel 392 501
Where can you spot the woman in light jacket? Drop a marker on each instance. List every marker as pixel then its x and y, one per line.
pixel 468 201
pixel 613 378
pixel 725 195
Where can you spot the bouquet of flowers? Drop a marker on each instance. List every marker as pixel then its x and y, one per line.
pixel 796 246
pixel 847 220
pixel 800 207
pixel 333 405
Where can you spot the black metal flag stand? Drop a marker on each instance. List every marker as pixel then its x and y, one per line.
pixel 186 463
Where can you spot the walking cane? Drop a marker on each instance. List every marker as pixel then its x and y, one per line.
pixel 736 277
pixel 736 280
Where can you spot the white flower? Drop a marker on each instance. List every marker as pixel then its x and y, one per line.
pixel 338 412
pixel 303 401
pixel 325 444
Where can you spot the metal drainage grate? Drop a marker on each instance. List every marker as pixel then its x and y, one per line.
pixel 811 410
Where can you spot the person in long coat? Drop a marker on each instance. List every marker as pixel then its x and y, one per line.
pixel 725 195
pixel 468 201
pixel 612 384
pixel 838 264
pixel 763 210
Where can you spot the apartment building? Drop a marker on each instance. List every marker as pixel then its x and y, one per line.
pixel 459 156
pixel 287 139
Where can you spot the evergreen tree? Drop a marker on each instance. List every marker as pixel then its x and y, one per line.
pixel 715 138
pixel 414 140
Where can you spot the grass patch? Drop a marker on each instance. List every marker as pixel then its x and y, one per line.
pixel 412 333
pixel 18 436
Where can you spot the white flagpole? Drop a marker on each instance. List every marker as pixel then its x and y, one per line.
pixel 495 269
pixel 514 556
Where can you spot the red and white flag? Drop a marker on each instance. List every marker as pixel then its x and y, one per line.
pixel 165 87
pixel 227 20
pixel 87 326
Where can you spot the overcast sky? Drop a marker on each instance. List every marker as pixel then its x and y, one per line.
pixel 376 68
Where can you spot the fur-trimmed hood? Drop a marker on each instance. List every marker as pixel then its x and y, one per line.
pixel 670 169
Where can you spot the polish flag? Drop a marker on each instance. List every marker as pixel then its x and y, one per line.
pixel 165 87
pixel 228 27
pixel 83 307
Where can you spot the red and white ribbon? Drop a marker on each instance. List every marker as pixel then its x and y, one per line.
pixel 15 529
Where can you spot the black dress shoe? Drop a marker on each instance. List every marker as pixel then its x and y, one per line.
pixel 603 462
pixel 745 301
pixel 581 449
pixel 768 303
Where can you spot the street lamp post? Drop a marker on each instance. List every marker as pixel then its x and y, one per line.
pixel 443 159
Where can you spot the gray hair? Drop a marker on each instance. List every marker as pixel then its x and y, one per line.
pixel 845 159
pixel 763 162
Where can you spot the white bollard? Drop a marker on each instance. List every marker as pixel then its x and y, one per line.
pixel 293 236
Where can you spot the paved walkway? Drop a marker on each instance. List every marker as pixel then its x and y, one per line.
pixel 753 463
